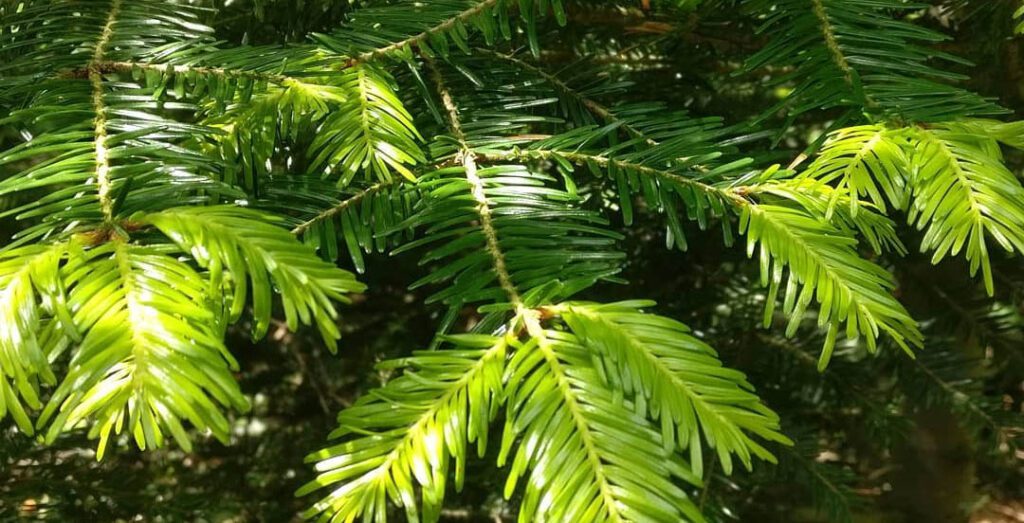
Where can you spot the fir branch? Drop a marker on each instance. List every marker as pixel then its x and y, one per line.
pixel 822 260
pixel 964 194
pixel 151 354
pixel 335 210
pixel 660 359
pixel 414 41
pixel 576 412
pixel 598 109
pixel 889 74
pixel 249 245
pixel 103 182
pixel 110 66
pixel 733 194
pixel 29 278
pixel 409 442
pixel 585 436
pixel 829 35
pixel 467 158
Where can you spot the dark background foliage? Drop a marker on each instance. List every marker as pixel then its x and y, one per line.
pixel 884 438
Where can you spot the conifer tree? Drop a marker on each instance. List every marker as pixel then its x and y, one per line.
pixel 165 186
